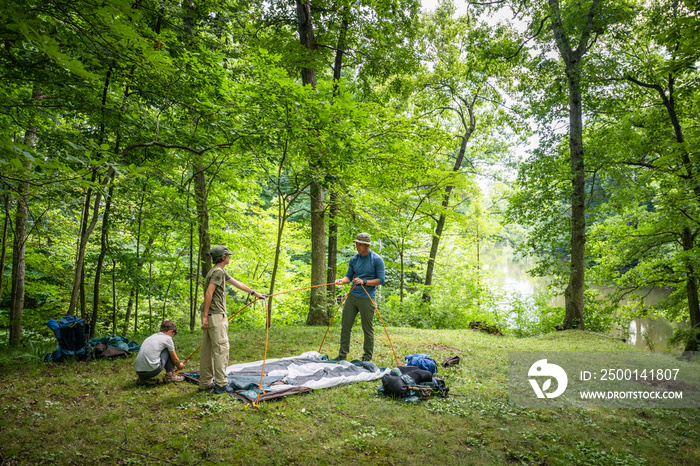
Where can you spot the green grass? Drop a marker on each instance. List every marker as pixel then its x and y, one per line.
pixel 88 413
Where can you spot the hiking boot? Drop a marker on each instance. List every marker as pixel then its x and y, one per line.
pixel 340 358
pixel 218 390
pixel 172 378
pixel 148 381
pixel 210 387
pixel 366 359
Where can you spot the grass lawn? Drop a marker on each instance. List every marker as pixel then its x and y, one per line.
pixel 94 413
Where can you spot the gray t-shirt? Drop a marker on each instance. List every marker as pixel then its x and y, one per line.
pixel 149 354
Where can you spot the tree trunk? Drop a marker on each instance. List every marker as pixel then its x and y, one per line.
pixel 573 317
pixel 192 268
pixel 281 220
pixel 573 294
pixel 440 225
pixel 3 254
pixel 691 287
pixel 101 258
pixel 332 246
pixel 332 269
pixel 18 262
pixel 82 246
pixel 200 191
pixel 19 242
pixel 129 306
pixel 318 314
pixel 114 297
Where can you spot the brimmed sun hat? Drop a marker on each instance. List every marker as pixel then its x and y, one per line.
pixel 363 238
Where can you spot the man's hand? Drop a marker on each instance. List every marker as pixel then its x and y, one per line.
pixel 181 365
pixel 339 281
pixel 358 281
pixel 260 295
pixel 205 323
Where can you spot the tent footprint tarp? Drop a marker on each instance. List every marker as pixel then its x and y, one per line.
pixel 296 374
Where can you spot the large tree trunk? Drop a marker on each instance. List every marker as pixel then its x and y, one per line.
pixel 573 295
pixel 318 314
pixel 333 211
pixel 573 318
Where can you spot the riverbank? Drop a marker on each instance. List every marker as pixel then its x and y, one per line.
pixel 78 413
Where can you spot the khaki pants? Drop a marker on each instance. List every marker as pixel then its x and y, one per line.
pixel 352 306
pixel 214 352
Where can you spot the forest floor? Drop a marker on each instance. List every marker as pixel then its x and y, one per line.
pixel 95 413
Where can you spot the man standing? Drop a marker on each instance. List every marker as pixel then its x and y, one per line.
pixel 366 272
pixel 158 352
pixel 215 346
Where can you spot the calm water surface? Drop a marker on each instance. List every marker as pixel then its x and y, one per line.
pixel 649 333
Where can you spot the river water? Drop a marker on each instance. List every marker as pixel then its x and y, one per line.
pixel 647 333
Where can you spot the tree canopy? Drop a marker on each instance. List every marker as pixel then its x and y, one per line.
pixel 137 135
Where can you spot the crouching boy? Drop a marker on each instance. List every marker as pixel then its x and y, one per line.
pixel 157 353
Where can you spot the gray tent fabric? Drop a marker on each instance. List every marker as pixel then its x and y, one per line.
pixel 296 374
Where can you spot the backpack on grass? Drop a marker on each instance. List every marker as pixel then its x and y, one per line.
pixel 71 339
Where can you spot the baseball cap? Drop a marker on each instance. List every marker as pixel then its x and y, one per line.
pixel 219 250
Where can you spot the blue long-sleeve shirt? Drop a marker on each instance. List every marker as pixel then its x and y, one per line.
pixel 366 267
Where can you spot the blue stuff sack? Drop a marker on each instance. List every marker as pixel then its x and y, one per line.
pixel 422 361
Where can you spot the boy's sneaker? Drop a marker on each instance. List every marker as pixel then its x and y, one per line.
pixel 218 390
pixel 172 378
pixel 148 381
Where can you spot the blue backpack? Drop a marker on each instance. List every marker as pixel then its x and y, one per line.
pixel 71 335
pixel 422 361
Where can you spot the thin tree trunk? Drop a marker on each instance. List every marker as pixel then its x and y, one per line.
pixel 332 245
pixel 201 195
pixel 192 273
pixel 114 297
pixel 150 303
pixel 105 218
pixel 3 254
pixel 139 262
pixel 82 246
pixel 129 306
pixel 167 291
pixel 691 288
pixel 440 224
pixel 103 252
